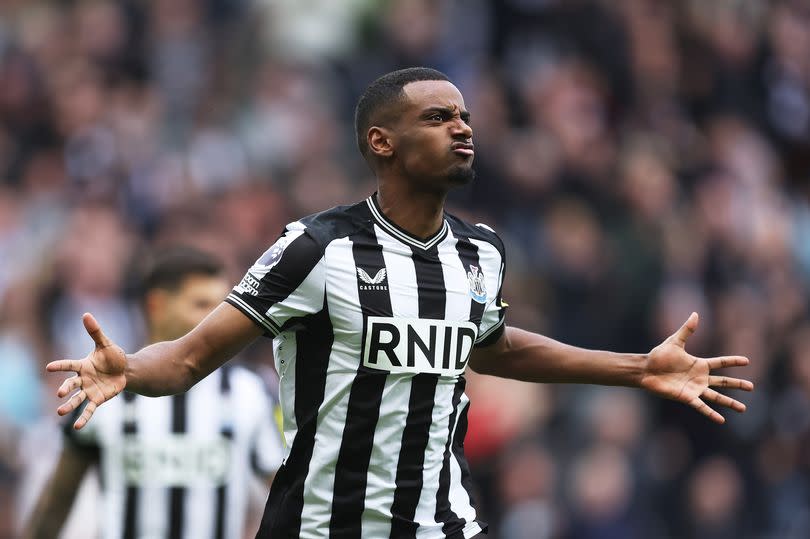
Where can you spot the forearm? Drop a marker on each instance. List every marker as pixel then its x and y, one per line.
pixel 171 367
pixel 535 358
pixel 164 368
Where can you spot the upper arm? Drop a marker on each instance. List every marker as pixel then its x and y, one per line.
pixel 483 358
pixel 220 336
pixel 285 284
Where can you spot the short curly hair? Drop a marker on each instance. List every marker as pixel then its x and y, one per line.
pixel 382 94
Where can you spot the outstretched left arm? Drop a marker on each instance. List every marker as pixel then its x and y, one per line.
pixel 667 370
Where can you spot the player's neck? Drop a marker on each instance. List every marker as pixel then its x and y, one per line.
pixel 419 213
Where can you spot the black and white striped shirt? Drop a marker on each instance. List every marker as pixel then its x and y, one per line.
pixel 179 466
pixel 372 332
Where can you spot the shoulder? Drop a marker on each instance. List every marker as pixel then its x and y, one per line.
pixel 335 223
pixel 479 232
pixel 304 241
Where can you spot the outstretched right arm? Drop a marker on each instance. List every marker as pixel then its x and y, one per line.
pixel 171 367
pixel 163 368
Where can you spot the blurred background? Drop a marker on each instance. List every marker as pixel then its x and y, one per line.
pixel 640 158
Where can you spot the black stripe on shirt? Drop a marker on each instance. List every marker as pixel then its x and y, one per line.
pixel 282 514
pixel 177 495
pixel 495 331
pixel 483 233
pixel 432 296
pixel 444 512
pixel 458 452
pixel 453 524
pixel 468 253
pixel 129 427
pixel 220 514
pixel 226 431
pixel 365 397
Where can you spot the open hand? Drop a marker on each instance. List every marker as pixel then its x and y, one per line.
pixel 99 376
pixel 673 373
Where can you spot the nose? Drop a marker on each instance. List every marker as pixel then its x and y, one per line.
pixel 462 129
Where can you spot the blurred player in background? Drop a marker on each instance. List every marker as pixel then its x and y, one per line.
pixel 177 466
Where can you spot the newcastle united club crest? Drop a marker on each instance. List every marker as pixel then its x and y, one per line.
pixel 478 290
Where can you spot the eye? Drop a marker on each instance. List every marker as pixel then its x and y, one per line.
pixel 436 116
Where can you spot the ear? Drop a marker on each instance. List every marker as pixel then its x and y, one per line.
pixel 380 142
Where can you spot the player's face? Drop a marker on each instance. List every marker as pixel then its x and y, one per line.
pixel 184 308
pixel 433 135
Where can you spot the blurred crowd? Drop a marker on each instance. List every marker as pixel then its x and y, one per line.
pixel 641 159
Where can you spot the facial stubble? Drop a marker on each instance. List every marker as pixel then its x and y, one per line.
pixel 461 175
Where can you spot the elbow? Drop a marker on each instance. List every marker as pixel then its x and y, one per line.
pixel 491 358
pixel 192 374
pixel 191 364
